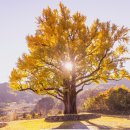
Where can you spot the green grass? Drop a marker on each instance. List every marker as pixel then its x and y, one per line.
pixel 39 124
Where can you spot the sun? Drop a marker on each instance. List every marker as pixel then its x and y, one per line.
pixel 68 66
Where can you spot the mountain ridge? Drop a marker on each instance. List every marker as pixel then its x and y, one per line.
pixel 9 95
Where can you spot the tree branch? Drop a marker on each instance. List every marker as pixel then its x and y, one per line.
pixel 51 64
pixel 80 89
pixel 98 68
pixel 24 89
pixel 55 96
pixel 85 81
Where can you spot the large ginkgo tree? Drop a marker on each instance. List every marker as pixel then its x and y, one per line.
pixel 65 54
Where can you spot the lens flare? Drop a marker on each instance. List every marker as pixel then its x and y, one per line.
pixel 68 66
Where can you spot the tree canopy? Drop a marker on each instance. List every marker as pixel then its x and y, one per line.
pixel 96 53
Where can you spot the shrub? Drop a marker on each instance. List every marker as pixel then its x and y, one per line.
pixel 89 104
pixel 37 115
pixel 119 99
pixel 59 112
pixel 28 116
pixel 114 100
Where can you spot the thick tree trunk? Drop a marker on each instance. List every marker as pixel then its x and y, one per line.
pixel 70 102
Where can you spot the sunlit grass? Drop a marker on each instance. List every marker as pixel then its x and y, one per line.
pixel 40 124
pixel 112 122
pixel 36 124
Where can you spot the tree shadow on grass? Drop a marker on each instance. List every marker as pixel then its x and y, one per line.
pixel 122 128
pixel 99 126
pixel 72 125
pixel 3 124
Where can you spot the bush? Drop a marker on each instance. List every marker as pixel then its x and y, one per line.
pixel 59 112
pixel 89 104
pixel 37 115
pixel 114 100
pixel 28 116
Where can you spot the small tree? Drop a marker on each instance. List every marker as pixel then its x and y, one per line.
pixel 13 115
pixel 24 115
pixel 65 55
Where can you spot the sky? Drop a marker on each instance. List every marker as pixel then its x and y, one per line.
pixel 18 19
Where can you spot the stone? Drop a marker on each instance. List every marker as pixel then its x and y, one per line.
pixel 71 117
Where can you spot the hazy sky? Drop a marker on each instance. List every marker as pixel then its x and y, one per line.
pixel 18 19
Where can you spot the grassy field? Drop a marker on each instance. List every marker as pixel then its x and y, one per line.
pixel 111 122
pixel 105 122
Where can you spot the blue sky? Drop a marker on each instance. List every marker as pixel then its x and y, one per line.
pixel 18 19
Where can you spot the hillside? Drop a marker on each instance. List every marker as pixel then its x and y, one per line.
pixel 8 95
pixel 111 83
pixel 15 101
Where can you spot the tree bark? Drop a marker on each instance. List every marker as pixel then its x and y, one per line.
pixel 70 102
